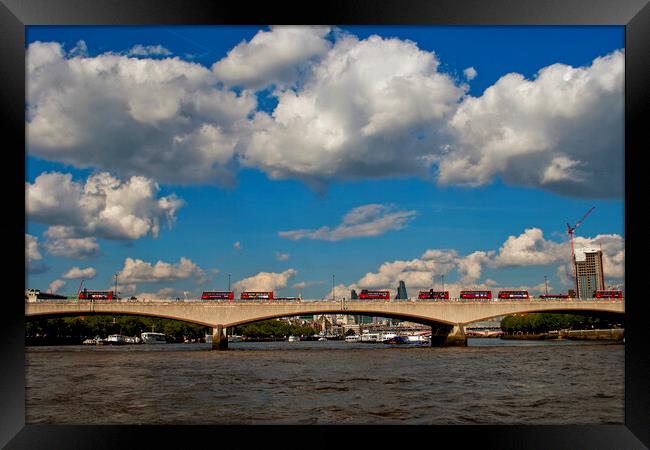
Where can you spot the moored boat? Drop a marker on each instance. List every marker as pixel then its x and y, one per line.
pixel 418 339
pixel 116 339
pixel 397 340
pixel 370 337
pixel 150 337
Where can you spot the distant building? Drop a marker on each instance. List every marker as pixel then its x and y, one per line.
pixel 353 295
pixel 401 291
pixel 589 271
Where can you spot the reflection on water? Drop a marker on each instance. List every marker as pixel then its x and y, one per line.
pixel 328 382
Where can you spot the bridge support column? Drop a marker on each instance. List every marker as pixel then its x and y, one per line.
pixel 448 335
pixel 219 338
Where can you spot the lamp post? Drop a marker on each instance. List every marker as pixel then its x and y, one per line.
pixel 228 282
pixel 116 296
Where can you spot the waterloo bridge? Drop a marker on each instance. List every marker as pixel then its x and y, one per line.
pixel 447 318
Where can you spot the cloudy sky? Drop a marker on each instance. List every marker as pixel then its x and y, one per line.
pixel 277 158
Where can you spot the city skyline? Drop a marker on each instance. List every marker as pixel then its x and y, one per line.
pixel 185 158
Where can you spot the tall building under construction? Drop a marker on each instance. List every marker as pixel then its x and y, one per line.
pixel 589 271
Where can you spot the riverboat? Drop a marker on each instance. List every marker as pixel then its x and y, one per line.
pixel 234 338
pixel 418 339
pixel 294 339
pixel 370 337
pixel 353 338
pixel 150 337
pixel 116 339
pixel 386 335
pixel 397 340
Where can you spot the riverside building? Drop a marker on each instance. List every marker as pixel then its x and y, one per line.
pixel 589 271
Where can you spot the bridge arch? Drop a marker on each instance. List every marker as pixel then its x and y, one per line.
pixel 57 314
pixel 423 320
pixel 593 312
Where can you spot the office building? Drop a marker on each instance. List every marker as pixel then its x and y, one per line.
pixel 589 271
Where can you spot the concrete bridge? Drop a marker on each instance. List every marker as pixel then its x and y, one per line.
pixel 447 319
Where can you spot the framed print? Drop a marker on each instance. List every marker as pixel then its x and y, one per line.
pixel 397 173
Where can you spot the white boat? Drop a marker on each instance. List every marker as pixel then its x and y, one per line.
pixel 322 338
pixel 353 338
pixel 234 338
pixel 116 339
pixel 149 337
pixel 418 339
pixel 387 335
pixel 370 337
pixel 89 342
pixel 294 338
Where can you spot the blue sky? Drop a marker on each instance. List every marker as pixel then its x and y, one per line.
pixel 284 157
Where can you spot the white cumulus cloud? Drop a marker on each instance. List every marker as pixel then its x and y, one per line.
pixel 33 256
pixel 76 272
pixel 102 207
pixel 266 281
pixel 161 118
pixel 366 109
pixel 56 285
pixel 139 271
pixel 272 57
pixel 561 131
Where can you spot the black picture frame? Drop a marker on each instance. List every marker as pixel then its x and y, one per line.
pixel 15 15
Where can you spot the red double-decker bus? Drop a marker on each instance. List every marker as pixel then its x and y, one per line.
pixel 218 295
pixel 554 296
pixel 256 295
pixel 431 294
pixel 608 294
pixel 86 294
pixel 476 294
pixel 513 294
pixel 374 295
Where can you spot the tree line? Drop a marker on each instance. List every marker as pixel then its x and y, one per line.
pixel 73 330
pixel 268 329
pixel 545 322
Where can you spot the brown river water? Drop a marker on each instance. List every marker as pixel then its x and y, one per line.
pixel 328 382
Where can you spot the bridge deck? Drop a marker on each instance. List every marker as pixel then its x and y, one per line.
pixel 230 313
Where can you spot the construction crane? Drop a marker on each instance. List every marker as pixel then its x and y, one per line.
pixel 80 285
pixel 571 231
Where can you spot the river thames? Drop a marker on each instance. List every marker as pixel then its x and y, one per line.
pixel 491 381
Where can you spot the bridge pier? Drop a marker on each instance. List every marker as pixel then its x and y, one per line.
pixel 219 338
pixel 443 335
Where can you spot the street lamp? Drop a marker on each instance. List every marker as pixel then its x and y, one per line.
pixel 116 296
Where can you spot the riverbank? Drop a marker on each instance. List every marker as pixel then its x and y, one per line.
pixel 614 334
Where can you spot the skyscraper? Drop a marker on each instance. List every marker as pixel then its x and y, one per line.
pixel 401 291
pixel 589 271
